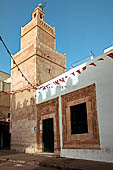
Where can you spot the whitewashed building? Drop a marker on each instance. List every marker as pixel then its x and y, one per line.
pixel 75 111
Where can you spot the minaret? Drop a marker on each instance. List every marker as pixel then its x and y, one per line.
pixel 39 62
pixel 38 50
pixel 38 29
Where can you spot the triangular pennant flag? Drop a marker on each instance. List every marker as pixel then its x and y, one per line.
pixel 110 55
pixel 84 68
pixel 18 69
pixel 14 62
pixel 6 94
pixel 73 73
pixel 15 92
pixel 66 76
pixel 92 64
pixel 35 88
pixel 44 87
pixel 62 80
pixel 28 90
pixel 78 71
pixel 47 85
pixel 100 59
pixel 56 82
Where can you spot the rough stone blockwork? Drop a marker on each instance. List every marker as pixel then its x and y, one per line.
pixel 24 129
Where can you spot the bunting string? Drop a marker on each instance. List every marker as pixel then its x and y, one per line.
pixel 15 62
pixel 62 80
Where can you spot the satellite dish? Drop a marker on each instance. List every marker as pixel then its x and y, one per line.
pixel 42 5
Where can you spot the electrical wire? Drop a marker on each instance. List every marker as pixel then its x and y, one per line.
pixel 15 63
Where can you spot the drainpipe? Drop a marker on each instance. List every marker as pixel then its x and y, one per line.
pixel 60 123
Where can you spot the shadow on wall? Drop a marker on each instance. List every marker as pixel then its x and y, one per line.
pixel 23 122
pixel 21 103
pixel 26 103
pixel 57 90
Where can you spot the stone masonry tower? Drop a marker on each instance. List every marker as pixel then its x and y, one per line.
pixel 48 62
pixel 39 61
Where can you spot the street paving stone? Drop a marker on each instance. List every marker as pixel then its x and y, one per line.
pixel 12 166
pixel 20 161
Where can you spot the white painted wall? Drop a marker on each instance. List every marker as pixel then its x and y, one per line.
pixel 102 76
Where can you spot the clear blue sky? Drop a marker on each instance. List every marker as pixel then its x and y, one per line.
pixel 81 25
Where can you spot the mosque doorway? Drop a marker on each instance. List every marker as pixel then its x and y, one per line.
pixel 48 135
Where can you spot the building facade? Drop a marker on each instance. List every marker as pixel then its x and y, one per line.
pixel 79 104
pixel 71 113
pixel 5 82
pixel 39 62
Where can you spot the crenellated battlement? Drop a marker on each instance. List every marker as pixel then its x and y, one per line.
pixel 46 27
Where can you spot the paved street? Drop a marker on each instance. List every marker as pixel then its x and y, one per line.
pixel 10 160
pixel 9 165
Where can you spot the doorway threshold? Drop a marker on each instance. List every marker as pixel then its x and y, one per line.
pixel 48 154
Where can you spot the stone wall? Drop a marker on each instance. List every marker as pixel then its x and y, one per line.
pixel 49 64
pixel 4 76
pixel 23 129
pixel 4 105
pixel 28 68
pixel 46 38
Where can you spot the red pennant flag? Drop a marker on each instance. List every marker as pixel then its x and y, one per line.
pixel 56 82
pixel 92 64
pixel 62 80
pixel 66 76
pixel 6 94
pixel 47 85
pixel 84 68
pixel 78 71
pixel 110 55
pixel 10 93
pixel 29 90
pixel 73 73
pixel 14 92
pixel 100 59
pixel 44 87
